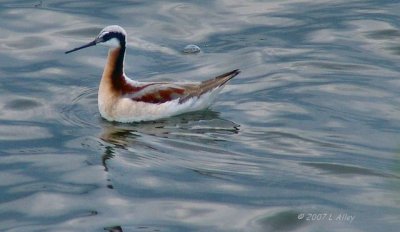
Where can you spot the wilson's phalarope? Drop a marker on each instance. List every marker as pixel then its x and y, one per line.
pixel 124 100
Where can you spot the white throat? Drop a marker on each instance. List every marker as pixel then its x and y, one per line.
pixel 112 43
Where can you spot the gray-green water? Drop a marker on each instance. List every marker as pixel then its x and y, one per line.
pixel 306 138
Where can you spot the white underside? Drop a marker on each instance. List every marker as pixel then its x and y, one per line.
pixel 126 110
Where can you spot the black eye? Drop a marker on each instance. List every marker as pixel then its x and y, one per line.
pixel 104 37
pixel 107 36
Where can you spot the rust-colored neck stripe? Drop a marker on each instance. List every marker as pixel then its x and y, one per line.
pixel 117 75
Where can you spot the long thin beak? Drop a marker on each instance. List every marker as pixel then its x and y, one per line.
pixel 82 47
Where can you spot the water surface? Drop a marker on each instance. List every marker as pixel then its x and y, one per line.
pixel 306 138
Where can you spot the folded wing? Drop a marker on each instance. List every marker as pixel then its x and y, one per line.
pixel 158 93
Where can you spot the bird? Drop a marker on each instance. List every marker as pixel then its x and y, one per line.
pixel 124 100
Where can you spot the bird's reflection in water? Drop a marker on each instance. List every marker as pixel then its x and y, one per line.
pixel 143 143
pixel 198 127
pixel 114 229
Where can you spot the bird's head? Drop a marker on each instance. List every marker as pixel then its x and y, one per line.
pixel 112 36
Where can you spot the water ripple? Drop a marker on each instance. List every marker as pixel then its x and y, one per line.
pixel 82 111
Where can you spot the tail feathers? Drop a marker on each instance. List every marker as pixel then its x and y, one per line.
pixel 219 80
pixel 210 84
